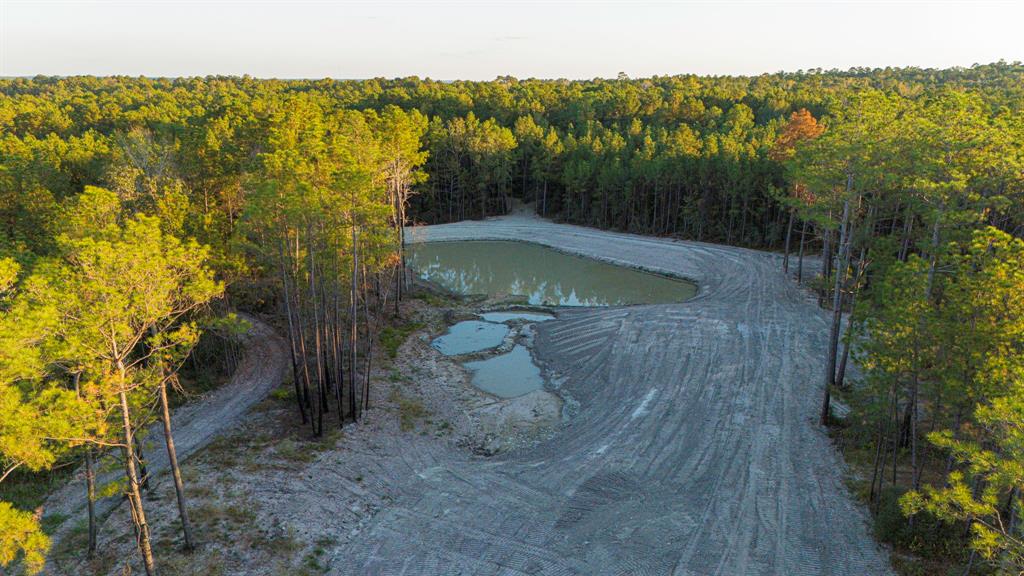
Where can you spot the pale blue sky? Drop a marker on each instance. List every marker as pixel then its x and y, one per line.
pixel 481 40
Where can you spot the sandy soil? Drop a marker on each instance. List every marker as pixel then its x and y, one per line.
pixel 268 499
pixel 692 448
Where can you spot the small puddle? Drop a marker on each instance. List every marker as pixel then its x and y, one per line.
pixel 470 336
pixel 508 375
pixel 524 316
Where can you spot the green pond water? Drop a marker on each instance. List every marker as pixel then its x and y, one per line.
pixel 545 276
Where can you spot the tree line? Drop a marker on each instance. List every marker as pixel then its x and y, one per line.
pixel 918 205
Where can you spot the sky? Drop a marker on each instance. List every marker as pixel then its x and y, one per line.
pixel 482 40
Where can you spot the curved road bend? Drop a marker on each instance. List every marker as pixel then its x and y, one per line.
pixel 694 451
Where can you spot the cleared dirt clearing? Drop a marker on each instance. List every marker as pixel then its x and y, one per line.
pixel 693 449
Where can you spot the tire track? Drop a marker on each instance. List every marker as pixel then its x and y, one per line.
pixel 695 449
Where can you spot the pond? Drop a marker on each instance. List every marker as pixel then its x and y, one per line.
pixel 545 276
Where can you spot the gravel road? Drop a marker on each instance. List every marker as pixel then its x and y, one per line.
pixel 694 450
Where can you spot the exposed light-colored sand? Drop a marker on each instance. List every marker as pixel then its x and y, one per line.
pixel 693 449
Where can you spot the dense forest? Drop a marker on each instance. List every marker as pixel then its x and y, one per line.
pixel 140 214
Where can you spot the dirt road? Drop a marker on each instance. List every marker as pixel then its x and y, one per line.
pixel 694 451
pixel 260 370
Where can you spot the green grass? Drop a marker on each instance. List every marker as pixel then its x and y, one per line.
pixel 281 545
pixel 302 451
pixel 392 337
pixel 283 394
pixel 432 299
pixel 410 410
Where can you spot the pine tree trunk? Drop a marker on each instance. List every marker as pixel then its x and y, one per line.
pixel 402 273
pixel 142 465
pixel 844 358
pixel 354 319
pixel 337 345
pixel 292 345
pixel 915 460
pixel 90 492
pixel 369 347
pixel 172 457
pixel 907 228
pixel 321 394
pixel 789 235
pixel 90 482
pixel 915 463
pixel 134 492
pixel 837 306
pixel 800 262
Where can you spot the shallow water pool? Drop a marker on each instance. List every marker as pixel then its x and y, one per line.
pixel 470 336
pixel 508 375
pixel 545 276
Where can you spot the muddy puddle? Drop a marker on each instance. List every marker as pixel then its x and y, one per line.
pixel 496 346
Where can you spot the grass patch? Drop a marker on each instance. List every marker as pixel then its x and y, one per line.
pixel 300 451
pixel 50 523
pixel 74 542
pixel 223 450
pixel 312 563
pixel 175 562
pixel 444 427
pixel 434 300
pixel 410 410
pixel 293 451
pixel 391 337
pixel 283 394
pixel 281 545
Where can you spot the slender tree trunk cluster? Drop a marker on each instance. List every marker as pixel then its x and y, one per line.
pixel 333 302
